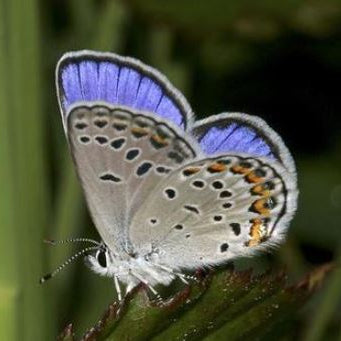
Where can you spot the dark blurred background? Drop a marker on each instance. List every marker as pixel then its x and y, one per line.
pixel 278 60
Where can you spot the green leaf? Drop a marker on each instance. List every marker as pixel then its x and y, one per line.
pixel 226 305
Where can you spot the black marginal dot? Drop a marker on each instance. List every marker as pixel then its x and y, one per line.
pixel 189 171
pixel 218 218
pixel 153 221
pixel 191 208
pixel 245 164
pixel 157 144
pixel 224 161
pixel 101 139
pixel 170 192
pixel 178 227
pixel 100 113
pixel 188 235
pixel 225 194
pixel 260 173
pixel 217 184
pixel 100 123
pixel 270 203
pixel 110 177
pixel 118 143
pixel 80 126
pixel 143 168
pixel 119 126
pixel 235 228
pixel 132 154
pixel 224 247
pixel 226 205
pixel 269 185
pixel 80 115
pixel 84 139
pixel 198 184
pixel 176 157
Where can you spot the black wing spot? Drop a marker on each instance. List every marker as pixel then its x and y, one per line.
pixel 81 126
pixel 217 184
pixel 235 228
pixel 224 247
pixel 162 170
pixel 100 123
pixel 225 194
pixel 118 143
pixel 143 168
pixel 101 139
pixel 226 205
pixel 170 193
pixel 153 221
pixel 218 218
pixel 178 227
pixel 84 139
pixel 132 154
pixel 198 184
pixel 192 209
pixel 187 235
pixel 110 177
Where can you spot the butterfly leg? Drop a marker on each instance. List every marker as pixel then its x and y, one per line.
pixel 157 295
pixel 181 276
pixel 118 288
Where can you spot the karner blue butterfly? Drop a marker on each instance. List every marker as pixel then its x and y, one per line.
pixel 167 193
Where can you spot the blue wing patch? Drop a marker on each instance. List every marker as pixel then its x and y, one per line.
pixel 90 76
pixel 241 133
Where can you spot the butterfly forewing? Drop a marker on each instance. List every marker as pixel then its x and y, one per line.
pixel 121 155
pixel 213 210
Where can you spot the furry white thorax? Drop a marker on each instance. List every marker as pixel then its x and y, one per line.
pixel 131 271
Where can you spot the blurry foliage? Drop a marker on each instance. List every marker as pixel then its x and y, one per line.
pixel 279 60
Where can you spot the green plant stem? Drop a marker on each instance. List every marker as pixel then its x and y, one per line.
pixel 9 289
pixel 27 186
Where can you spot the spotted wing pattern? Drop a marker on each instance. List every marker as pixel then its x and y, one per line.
pixel 120 156
pixel 216 209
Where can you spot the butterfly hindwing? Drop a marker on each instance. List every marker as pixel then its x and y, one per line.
pixel 121 155
pixel 122 81
pixel 241 133
pixel 215 209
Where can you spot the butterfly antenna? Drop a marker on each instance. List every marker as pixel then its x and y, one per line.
pixel 67 262
pixel 71 240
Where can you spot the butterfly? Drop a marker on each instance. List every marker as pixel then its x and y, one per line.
pixel 166 193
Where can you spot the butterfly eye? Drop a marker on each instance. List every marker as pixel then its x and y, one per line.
pixel 101 258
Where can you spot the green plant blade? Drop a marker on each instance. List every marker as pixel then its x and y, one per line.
pixel 229 305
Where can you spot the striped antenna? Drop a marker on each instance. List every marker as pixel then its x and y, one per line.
pixel 71 240
pixel 67 262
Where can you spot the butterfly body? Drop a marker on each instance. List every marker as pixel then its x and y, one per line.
pixel 167 194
